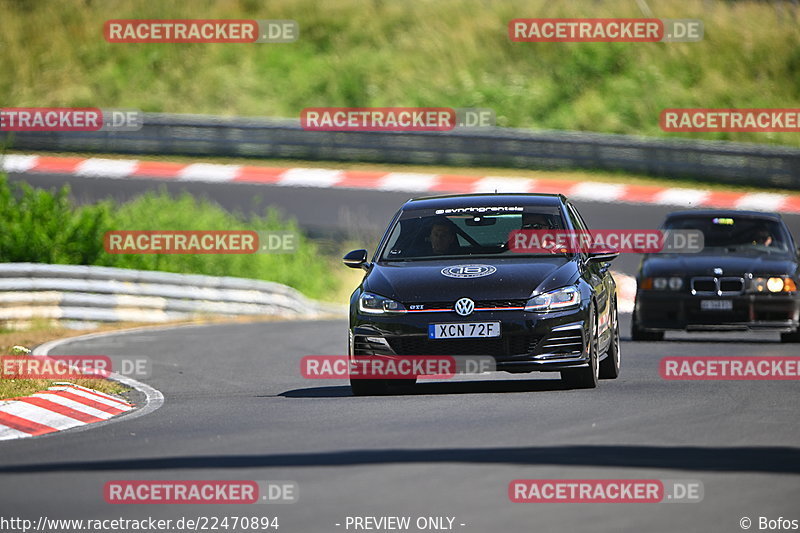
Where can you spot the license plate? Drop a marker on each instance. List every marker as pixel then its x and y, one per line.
pixel 464 330
pixel 716 305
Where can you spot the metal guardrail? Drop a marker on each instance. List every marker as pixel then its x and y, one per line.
pixel 196 135
pixel 91 293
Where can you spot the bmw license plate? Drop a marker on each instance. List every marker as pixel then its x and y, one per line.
pixel 716 305
pixel 464 330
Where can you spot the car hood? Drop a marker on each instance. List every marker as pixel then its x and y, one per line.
pixel 704 264
pixel 514 278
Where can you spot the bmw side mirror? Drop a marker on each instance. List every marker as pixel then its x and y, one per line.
pixel 603 255
pixel 355 259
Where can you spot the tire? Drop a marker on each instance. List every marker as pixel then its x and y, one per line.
pixel 585 378
pixel 369 387
pixel 609 367
pixel 639 334
pixel 791 337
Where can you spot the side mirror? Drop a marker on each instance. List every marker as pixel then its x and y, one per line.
pixel 603 255
pixel 355 259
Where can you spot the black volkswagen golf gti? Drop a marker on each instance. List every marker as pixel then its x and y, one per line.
pixel 446 262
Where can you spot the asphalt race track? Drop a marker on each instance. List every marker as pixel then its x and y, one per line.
pixel 237 408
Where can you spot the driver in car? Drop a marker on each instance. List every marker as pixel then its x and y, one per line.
pixel 443 238
pixel 763 238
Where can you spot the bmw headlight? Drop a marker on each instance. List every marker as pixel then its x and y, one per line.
pixel 675 283
pixel 378 305
pixel 556 300
pixel 774 284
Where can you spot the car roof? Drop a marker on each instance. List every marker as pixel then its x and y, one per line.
pixel 732 213
pixel 484 199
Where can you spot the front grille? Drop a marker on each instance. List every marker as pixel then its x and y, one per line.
pixel 704 284
pixel 502 346
pixel 728 285
pixel 563 342
pixel 361 346
pixel 500 303
pixel 731 285
pixel 493 304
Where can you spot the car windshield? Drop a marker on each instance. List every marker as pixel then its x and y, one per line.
pixel 418 236
pixel 736 234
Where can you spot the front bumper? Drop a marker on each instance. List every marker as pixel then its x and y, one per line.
pixel 666 310
pixel 528 341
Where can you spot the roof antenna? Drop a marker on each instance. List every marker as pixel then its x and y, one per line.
pixel 495 191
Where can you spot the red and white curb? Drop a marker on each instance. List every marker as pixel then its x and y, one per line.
pixel 62 406
pixel 68 406
pixel 398 181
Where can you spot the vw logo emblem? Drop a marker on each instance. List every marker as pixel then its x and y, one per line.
pixel 468 271
pixel 465 307
pixel 717 271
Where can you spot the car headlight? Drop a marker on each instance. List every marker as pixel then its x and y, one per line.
pixel 378 305
pixel 675 283
pixel 661 284
pixel 555 300
pixel 774 284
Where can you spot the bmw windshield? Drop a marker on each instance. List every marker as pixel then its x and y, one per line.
pixel 424 235
pixel 737 235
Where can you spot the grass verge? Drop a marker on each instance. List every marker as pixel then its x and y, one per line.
pixel 39 333
pixel 453 53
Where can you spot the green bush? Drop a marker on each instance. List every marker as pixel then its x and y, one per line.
pixel 38 226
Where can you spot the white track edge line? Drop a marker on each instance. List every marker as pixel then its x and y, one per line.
pixel 154 398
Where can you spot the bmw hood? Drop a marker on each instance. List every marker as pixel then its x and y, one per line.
pixel 437 281
pixel 704 265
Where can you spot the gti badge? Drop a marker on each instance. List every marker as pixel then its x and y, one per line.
pixel 468 271
pixel 717 271
pixel 465 307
